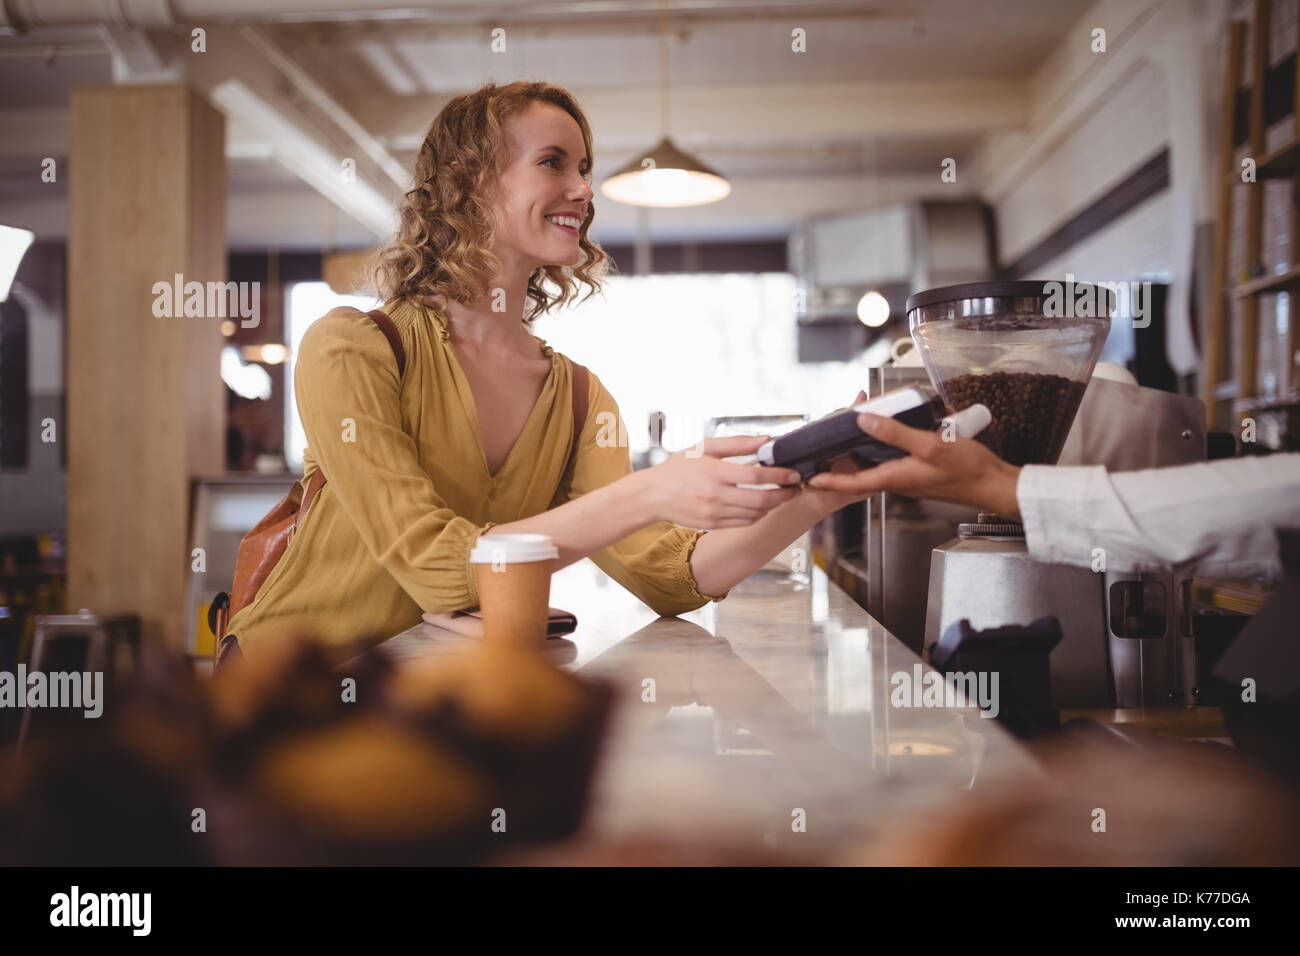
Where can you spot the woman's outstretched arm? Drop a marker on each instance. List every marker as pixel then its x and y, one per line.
pixel 640 527
pixel 693 488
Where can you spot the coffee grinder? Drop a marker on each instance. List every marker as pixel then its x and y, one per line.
pixel 1026 350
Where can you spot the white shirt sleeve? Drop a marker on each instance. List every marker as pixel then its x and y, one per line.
pixel 1218 517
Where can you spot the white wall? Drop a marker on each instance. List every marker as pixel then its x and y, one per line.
pixel 1096 117
pixel 1106 145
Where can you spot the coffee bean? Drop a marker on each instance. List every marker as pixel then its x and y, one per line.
pixel 1032 412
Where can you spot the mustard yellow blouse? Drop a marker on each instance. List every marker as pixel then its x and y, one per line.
pixel 408 490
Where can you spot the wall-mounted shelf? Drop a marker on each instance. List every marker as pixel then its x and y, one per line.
pixel 1279 162
pixel 1277 282
pixel 1289 400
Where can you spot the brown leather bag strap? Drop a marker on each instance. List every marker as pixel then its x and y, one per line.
pixel 579 419
pixel 579 407
pixel 386 326
pixel 314 484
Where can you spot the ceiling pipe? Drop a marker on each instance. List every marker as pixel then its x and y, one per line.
pixel 317 94
pixel 23 16
pixel 128 16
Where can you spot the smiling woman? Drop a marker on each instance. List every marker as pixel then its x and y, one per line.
pixel 500 146
pixel 442 418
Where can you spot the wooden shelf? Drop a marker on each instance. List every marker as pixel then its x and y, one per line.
pixel 1277 282
pixel 1277 163
pixel 1256 403
pixel 1280 162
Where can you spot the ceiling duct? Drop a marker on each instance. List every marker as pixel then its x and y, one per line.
pixel 894 250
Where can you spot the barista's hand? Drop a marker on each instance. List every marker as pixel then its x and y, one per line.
pixel 826 500
pixel 696 489
pixel 962 471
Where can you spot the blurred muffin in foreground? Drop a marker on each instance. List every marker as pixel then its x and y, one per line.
pixel 286 760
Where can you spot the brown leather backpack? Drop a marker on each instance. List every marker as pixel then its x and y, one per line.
pixel 263 546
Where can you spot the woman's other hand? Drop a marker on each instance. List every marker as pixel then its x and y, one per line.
pixel 697 489
pixel 826 500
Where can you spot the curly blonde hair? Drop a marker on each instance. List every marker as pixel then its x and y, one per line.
pixel 443 246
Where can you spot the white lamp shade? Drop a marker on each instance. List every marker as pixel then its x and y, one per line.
pixel 666 177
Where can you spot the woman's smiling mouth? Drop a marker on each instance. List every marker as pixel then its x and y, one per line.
pixel 569 224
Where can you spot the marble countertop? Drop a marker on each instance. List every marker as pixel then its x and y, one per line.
pixel 762 721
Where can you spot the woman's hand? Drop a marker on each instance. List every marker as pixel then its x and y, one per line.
pixel 961 471
pixel 696 489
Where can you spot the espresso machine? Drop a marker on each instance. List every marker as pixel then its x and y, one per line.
pixel 1126 638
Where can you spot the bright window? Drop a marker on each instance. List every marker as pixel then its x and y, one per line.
pixel 699 346
pixel 308 301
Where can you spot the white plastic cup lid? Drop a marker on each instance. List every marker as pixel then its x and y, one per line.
pixel 513 548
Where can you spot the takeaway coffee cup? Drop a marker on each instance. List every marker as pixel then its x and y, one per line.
pixel 514 586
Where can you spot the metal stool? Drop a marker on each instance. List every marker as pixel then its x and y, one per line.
pixel 103 636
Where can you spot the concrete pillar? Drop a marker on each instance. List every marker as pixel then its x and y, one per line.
pixel 145 401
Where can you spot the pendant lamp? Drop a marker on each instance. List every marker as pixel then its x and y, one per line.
pixel 666 176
